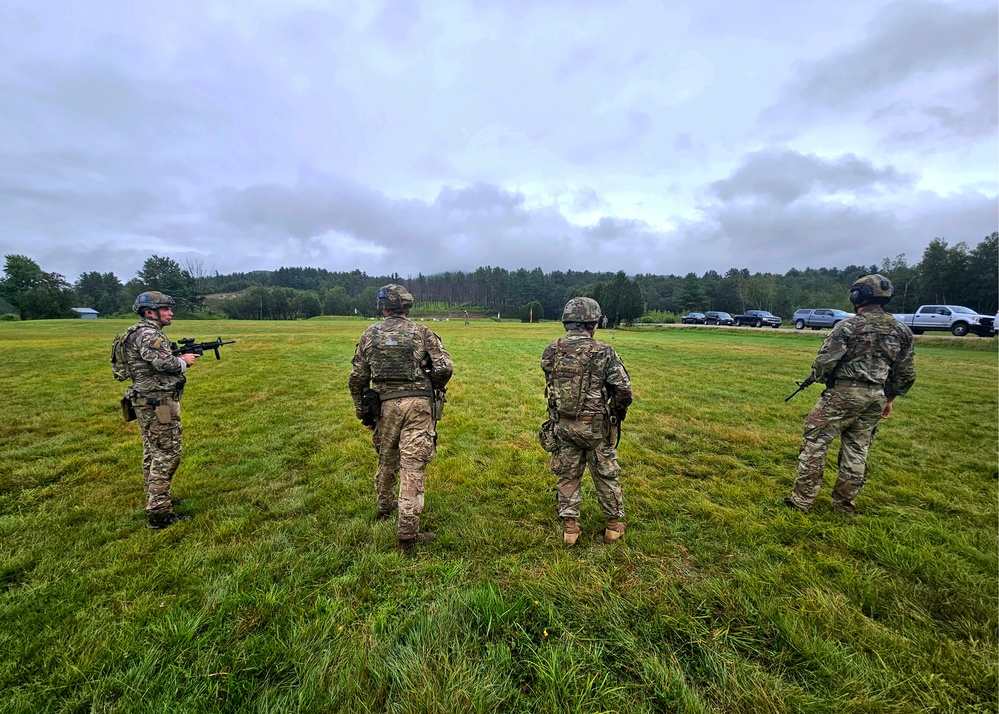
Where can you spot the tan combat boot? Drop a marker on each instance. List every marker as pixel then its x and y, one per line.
pixel 614 530
pixel 570 531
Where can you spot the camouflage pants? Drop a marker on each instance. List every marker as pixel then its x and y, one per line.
pixel 404 438
pixel 852 414
pixel 573 453
pixel 160 454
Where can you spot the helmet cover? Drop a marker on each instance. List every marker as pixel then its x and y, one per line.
pixel 871 288
pixel 394 298
pixel 581 309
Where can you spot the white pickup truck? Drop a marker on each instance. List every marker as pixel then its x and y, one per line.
pixel 957 320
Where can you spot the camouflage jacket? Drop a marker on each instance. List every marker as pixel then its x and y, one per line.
pixel 870 347
pixel 610 376
pixel 391 358
pixel 151 362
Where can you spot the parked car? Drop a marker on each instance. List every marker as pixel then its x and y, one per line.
pixel 693 318
pixel 757 318
pixel 816 319
pixel 718 318
pixel 958 320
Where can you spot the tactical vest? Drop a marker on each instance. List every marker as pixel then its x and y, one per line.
pixel 119 360
pixel 574 371
pixel 393 357
pixel 877 338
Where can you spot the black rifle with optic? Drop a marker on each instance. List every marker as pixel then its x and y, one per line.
pixel 187 346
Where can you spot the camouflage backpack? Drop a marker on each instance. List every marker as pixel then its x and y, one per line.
pixel 572 374
pixel 119 360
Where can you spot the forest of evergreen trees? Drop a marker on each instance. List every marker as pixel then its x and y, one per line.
pixel 957 274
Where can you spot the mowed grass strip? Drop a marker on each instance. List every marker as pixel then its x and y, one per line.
pixel 282 593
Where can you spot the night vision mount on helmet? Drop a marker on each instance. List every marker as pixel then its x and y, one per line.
pixel 581 309
pixel 152 300
pixel 874 288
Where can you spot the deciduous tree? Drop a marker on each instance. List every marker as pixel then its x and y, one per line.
pixel 34 293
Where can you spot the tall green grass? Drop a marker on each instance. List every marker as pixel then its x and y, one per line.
pixel 282 593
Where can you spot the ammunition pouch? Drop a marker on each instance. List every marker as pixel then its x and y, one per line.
pixel 371 406
pixel 127 410
pixel 440 397
pixel 547 436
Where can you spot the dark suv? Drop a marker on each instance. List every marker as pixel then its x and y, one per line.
pixel 758 318
pixel 694 318
pixel 718 318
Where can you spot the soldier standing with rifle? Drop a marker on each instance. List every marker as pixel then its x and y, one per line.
pixel 400 369
pixel 588 392
pixel 145 355
pixel 865 362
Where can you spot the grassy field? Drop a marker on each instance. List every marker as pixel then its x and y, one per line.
pixel 283 594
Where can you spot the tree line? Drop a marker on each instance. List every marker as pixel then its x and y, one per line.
pixel 946 274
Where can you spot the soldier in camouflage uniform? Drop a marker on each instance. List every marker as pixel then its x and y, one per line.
pixel 588 392
pixel 157 385
pixel 404 362
pixel 865 362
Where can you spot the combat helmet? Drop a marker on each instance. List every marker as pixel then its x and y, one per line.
pixel 152 300
pixel 394 298
pixel 871 289
pixel 581 309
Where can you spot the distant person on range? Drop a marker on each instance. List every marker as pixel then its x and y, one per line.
pixel 399 370
pixel 144 355
pixel 865 362
pixel 588 392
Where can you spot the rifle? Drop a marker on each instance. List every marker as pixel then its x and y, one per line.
pixel 187 346
pixel 440 393
pixel 618 412
pixel 371 406
pixel 809 381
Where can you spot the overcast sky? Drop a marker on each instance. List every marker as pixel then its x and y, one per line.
pixel 411 136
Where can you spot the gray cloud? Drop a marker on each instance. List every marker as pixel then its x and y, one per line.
pixel 744 227
pixel 398 18
pixel 784 176
pixel 428 137
pixel 337 224
pixel 924 70
pixel 782 209
pixel 769 238
pixel 461 229
pixel 586 199
pixel 966 113
pixel 907 39
pixel 576 61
